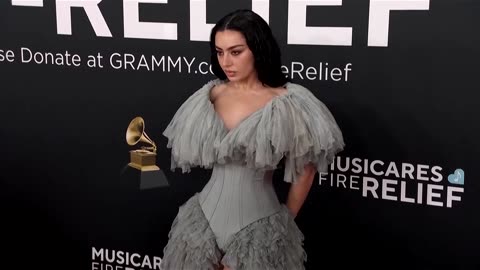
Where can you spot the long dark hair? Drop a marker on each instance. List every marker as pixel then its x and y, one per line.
pixel 260 41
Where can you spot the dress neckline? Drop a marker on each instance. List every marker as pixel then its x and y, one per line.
pixel 251 115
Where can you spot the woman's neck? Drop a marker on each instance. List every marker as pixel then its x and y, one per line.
pixel 247 84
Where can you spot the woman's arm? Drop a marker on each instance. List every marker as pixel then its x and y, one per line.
pixel 299 190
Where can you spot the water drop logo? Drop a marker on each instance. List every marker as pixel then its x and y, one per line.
pixel 458 177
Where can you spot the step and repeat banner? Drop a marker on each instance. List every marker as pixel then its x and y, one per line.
pixel 400 77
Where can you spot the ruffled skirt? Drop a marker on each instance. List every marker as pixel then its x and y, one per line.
pixel 271 243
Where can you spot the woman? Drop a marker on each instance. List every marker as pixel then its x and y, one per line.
pixel 242 125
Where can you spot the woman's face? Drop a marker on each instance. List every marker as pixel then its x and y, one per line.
pixel 234 56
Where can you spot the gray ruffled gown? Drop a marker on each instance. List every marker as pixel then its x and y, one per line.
pixel 237 219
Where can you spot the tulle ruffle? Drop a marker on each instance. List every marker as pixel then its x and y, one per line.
pixel 295 125
pixel 271 243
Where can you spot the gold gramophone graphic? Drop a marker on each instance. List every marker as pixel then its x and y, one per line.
pixel 144 159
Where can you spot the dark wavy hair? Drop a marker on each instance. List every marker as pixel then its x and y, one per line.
pixel 260 41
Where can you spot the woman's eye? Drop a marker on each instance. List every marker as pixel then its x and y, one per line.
pixel 236 52
pixel 219 53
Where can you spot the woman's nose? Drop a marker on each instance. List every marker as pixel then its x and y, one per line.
pixel 226 60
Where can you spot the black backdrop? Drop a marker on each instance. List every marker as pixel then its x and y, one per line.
pixel 405 98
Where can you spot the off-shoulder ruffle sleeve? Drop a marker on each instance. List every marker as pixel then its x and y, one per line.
pixel 304 128
pixel 194 131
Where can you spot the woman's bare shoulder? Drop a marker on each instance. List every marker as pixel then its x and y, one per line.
pixel 278 91
pixel 216 90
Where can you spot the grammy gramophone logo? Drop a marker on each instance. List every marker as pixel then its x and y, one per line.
pixel 143 160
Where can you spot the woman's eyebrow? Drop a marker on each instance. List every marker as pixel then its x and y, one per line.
pixel 232 47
